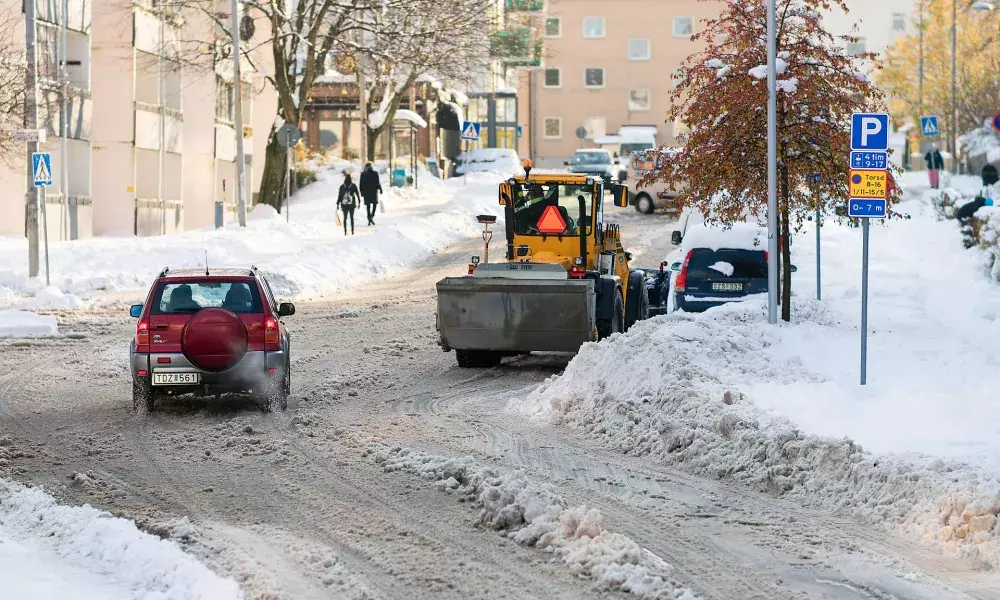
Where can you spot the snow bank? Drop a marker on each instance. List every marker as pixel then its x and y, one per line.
pixel 53 551
pixel 723 393
pixel 534 515
pixel 306 258
pixel 14 323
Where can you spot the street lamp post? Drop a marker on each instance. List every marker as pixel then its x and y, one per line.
pixel 954 85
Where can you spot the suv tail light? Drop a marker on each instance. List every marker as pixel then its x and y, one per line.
pixel 680 283
pixel 270 331
pixel 142 333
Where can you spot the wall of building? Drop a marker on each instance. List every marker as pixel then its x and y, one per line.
pixel 638 50
pixel 879 24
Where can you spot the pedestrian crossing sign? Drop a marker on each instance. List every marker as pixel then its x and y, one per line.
pixel 470 131
pixel 929 126
pixel 41 169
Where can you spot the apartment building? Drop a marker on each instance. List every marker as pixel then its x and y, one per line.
pixel 118 180
pixel 609 64
pixel 877 25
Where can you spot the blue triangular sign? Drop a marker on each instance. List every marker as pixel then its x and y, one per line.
pixel 470 132
pixel 928 126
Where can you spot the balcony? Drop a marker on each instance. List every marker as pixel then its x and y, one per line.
pixel 79 13
pixel 147 127
pixel 80 111
pixel 529 6
pixel 517 47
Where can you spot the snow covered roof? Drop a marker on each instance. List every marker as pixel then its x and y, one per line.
pixel 408 115
pixel 458 96
pixel 738 236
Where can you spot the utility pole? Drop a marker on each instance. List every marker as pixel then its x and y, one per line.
pixel 162 99
pixel 954 86
pixel 241 204
pixel 921 85
pixel 772 169
pixel 63 144
pixel 31 122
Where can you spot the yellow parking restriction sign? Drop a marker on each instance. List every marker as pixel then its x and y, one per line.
pixel 868 183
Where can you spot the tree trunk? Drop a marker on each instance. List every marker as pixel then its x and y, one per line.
pixel 271 190
pixel 372 138
pixel 786 251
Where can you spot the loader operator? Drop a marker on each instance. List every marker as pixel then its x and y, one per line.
pixel 531 201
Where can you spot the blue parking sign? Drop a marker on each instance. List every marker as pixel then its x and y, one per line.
pixel 870 131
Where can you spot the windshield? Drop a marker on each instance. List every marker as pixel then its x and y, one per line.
pixel 726 263
pixel 591 158
pixel 531 201
pixel 191 296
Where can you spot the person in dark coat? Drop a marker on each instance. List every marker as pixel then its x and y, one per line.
pixel 935 162
pixel 371 187
pixel 347 200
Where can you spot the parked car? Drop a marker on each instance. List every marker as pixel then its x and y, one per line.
pixel 593 162
pixel 659 195
pixel 209 332
pixel 719 265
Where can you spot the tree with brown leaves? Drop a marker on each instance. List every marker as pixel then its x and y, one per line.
pixel 722 97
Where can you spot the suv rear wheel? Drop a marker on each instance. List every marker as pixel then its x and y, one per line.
pixel 276 391
pixel 143 395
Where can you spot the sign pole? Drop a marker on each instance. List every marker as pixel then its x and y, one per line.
pixel 31 122
pixel 45 233
pixel 864 302
pixel 288 184
pixel 772 169
pixel 465 175
pixel 819 286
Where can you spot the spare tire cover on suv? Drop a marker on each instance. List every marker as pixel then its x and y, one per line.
pixel 214 339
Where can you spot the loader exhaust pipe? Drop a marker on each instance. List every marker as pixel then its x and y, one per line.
pixel 581 227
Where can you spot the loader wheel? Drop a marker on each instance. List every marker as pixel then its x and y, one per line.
pixel 637 308
pixel 616 324
pixel 478 359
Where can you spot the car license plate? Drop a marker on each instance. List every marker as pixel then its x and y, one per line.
pixel 727 287
pixel 176 378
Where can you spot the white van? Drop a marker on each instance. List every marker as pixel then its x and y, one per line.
pixel 659 195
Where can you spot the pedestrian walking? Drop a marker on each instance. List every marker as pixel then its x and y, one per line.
pixel 371 187
pixel 935 162
pixel 347 200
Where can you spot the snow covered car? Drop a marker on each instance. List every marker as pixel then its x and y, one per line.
pixel 719 265
pixel 593 162
pixel 504 161
pixel 209 332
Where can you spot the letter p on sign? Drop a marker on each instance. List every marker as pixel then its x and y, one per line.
pixel 870 131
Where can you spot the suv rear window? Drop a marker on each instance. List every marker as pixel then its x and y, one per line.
pixel 591 158
pixel 186 297
pixel 745 264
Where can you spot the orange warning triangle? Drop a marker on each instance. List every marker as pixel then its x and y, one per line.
pixel 551 222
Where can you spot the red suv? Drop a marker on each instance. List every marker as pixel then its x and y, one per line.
pixel 210 332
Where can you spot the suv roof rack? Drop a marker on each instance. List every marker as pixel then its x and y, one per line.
pixel 253 269
pixel 163 272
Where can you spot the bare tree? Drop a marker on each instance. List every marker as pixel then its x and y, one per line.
pixel 12 86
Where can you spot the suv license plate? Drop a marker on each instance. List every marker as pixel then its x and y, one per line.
pixel 727 287
pixel 176 378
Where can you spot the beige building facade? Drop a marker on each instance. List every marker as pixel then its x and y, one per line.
pixel 609 64
pixel 114 159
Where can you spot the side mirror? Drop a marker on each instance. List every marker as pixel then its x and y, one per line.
pixel 676 238
pixel 505 193
pixel 794 269
pixel 628 256
pixel 620 192
pixel 565 163
pixel 135 311
pixel 676 267
pixel 286 309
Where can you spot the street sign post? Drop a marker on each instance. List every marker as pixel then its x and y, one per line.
pixel 815 179
pixel 929 126
pixel 288 135
pixel 869 190
pixel 30 135
pixel 41 169
pixel 470 133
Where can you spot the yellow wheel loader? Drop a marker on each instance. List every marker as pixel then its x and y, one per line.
pixel 566 279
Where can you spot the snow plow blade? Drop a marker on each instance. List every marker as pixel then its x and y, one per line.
pixel 515 315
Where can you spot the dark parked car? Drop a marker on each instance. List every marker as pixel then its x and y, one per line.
pixel 593 162
pixel 209 332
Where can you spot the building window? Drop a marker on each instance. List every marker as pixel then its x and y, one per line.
pixel 593 27
pixel 856 48
pixel 593 77
pixel 553 128
pixel 898 22
pixel 638 100
pixel 553 27
pixel 683 27
pixel 638 49
pixel 553 78
pixel 223 100
pixel 48 58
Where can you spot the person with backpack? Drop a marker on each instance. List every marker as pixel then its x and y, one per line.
pixel 935 162
pixel 371 187
pixel 347 200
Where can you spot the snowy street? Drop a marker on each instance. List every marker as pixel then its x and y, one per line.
pixel 365 487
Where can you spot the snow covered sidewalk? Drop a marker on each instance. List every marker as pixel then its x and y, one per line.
pixel 781 407
pixel 79 553
pixel 306 258
pixel 18 323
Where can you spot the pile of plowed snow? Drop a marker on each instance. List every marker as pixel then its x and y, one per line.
pixel 676 388
pixel 533 514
